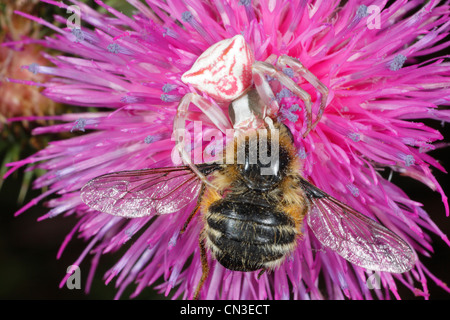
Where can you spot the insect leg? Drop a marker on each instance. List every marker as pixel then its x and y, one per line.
pixel 267 68
pixel 196 209
pixel 299 68
pixel 213 112
pixel 261 273
pixel 205 266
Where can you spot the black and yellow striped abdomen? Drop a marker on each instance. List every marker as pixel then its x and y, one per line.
pixel 247 236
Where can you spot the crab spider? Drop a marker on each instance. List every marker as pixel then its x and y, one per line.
pixel 228 73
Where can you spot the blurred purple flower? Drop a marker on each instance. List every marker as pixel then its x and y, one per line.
pixel 379 79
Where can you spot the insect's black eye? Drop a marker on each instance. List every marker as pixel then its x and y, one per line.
pixel 260 170
pixel 253 178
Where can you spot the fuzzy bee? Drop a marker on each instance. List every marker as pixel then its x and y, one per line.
pixel 252 211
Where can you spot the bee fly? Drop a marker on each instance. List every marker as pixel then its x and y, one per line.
pixel 251 221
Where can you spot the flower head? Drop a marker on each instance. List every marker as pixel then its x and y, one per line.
pixel 379 76
pixel 19 65
pixel 18 60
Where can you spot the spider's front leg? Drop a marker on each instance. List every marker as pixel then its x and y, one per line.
pixel 302 71
pixel 260 69
pixel 214 114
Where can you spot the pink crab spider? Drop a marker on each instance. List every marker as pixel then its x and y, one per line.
pixel 228 73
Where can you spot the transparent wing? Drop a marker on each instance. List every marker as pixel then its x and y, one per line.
pixel 354 236
pixel 139 193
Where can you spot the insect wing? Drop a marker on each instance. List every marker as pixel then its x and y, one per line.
pixel 355 237
pixel 140 193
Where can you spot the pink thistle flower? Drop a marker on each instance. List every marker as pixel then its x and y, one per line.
pixel 380 76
